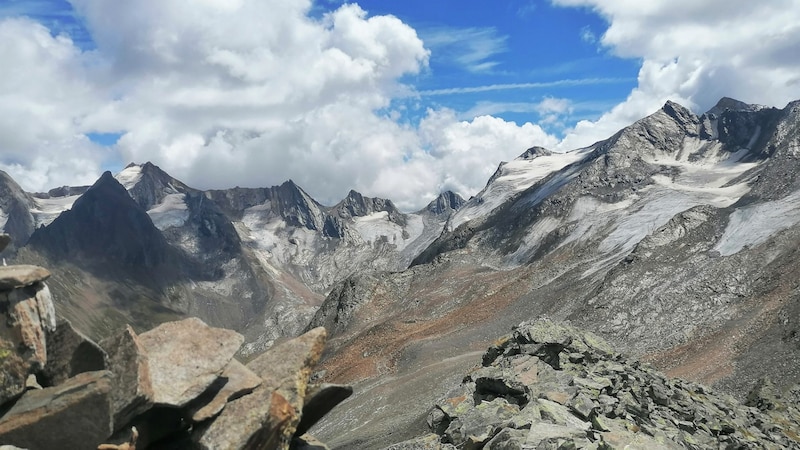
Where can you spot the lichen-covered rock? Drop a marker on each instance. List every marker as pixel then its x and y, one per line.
pixel 550 385
pixel 186 357
pixel 28 314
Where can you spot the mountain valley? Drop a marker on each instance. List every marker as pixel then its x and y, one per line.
pixel 676 240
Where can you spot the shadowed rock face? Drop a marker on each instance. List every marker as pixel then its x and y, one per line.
pixel 15 207
pixel 105 226
pixel 446 202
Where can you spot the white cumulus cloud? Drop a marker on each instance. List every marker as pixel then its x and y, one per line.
pixel 253 92
pixel 695 53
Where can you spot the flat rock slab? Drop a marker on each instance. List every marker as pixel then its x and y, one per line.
pixel 69 353
pixel 73 415
pixel 133 389
pixel 14 277
pixel 186 357
pixel 239 380
pixel 268 417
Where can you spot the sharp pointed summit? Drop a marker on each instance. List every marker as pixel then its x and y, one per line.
pixel 104 226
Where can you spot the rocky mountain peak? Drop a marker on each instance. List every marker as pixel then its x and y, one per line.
pixel 534 152
pixel 148 184
pixel 680 114
pixel 105 225
pixel 730 104
pixel 296 207
pixel 357 205
pixel 446 202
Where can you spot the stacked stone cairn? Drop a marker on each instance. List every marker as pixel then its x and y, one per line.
pixel 176 386
pixel 551 386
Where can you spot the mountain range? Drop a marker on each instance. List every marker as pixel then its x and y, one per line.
pixel 676 239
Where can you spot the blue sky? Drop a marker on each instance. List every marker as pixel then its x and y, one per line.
pixel 512 55
pixel 394 99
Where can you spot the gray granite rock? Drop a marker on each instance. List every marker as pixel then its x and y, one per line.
pixel 600 400
pixel 130 365
pixel 75 414
pixel 186 357
pixel 268 417
pixel 27 313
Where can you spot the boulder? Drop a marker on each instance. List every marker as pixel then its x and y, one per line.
pixel 472 430
pixel 14 277
pixel 69 353
pixel 236 381
pixel 28 314
pixel 130 366
pixel 268 417
pixel 580 394
pixel 186 357
pixel 75 414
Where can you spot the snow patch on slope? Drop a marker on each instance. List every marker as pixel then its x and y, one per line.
pixel 534 238
pixel 592 215
pixel 515 176
pixel 3 220
pixel 703 175
pixel 171 212
pixel 754 224
pixel 45 210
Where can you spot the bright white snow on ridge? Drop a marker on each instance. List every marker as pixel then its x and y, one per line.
pixel 515 176
pixel 46 210
pixel 753 225
pixel 129 176
pixel 171 212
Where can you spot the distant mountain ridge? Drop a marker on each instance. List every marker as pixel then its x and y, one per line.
pixel 255 259
pixel 676 239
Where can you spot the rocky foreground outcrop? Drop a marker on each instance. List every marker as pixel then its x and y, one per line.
pixel 552 386
pixel 176 386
